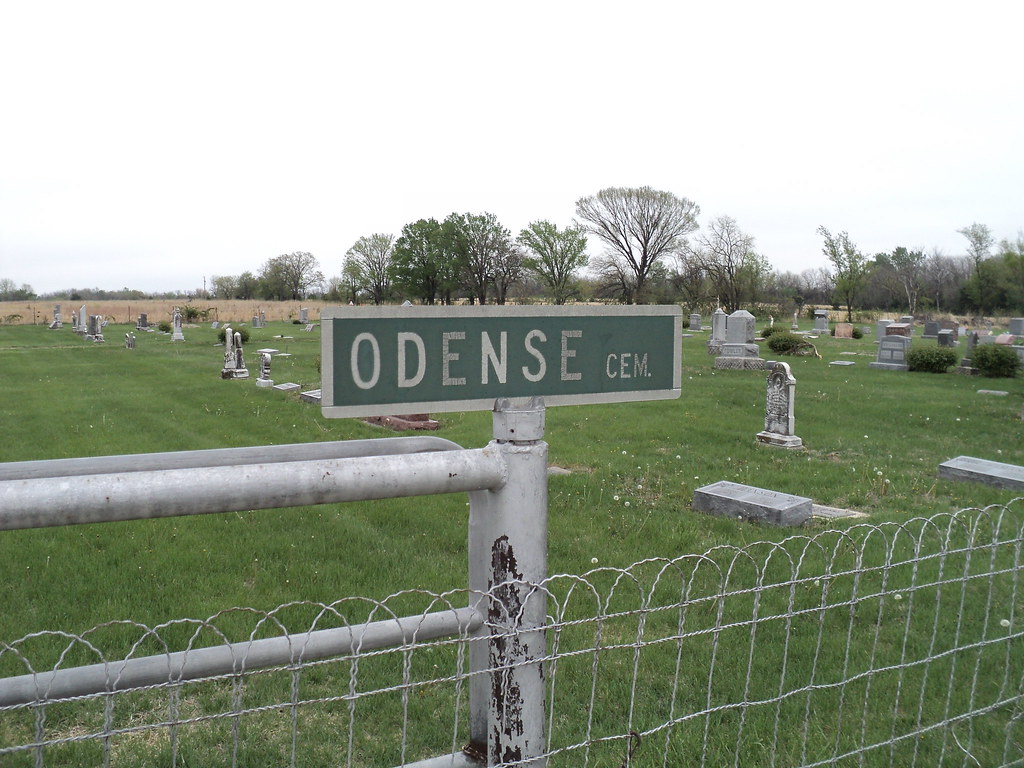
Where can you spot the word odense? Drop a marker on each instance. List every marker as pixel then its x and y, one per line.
pixel 462 358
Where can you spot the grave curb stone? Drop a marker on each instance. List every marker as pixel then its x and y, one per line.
pixel 994 473
pixel 728 499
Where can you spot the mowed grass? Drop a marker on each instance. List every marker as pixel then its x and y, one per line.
pixel 873 442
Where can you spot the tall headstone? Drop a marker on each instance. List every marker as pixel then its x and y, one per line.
pixel 779 422
pixel 83 321
pixel 177 334
pixel 695 322
pixel 304 315
pixel 947 338
pixel 129 341
pixel 844 331
pixel 57 321
pixel 264 379
pixel 795 325
pixel 892 354
pixel 234 359
pixel 739 352
pixel 719 320
pixel 821 321
pixel 931 330
pixel 880 327
pixel 1017 326
pixel 263 319
pixel 95 328
pixel 142 323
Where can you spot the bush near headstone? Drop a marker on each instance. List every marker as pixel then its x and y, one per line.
pixel 768 330
pixel 784 342
pixel 243 331
pixel 164 326
pixel 995 361
pixel 931 359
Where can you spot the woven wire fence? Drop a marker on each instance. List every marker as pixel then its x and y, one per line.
pixel 890 644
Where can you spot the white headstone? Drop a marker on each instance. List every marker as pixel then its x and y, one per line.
pixel 779 422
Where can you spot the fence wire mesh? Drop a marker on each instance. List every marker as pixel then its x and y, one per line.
pixel 889 644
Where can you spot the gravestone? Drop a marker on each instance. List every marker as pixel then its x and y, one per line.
pixel 234 360
pixel 74 322
pixel 288 386
pixel 747 502
pixel 142 323
pixel 950 325
pixel 908 319
pixel 1005 339
pixel 311 396
pixel 844 331
pixel 795 326
pixel 739 352
pixel 821 321
pixel 994 473
pixel 129 341
pixel 719 320
pixel 215 325
pixel 947 338
pixel 778 411
pixel 83 321
pixel 966 368
pixel 695 322
pixel 1017 326
pixel 264 379
pixel 309 327
pixel 986 338
pixel 892 354
pixel 303 316
pixel 57 321
pixel 880 327
pixel 899 329
pixel 95 332
pixel 177 335
pixel 255 321
pixel 931 330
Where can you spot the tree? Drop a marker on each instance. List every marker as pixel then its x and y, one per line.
pixel 8 292
pixel 224 286
pixel 1012 254
pixel 291 275
pixel 424 265
pixel 908 270
pixel 477 241
pixel 554 256
pixel 507 267
pixel 371 265
pixel 979 244
pixel 726 254
pixel 638 226
pixel 851 267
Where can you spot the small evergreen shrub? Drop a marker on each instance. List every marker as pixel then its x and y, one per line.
pixel 995 361
pixel 768 330
pixel 243 331
pixel 784 342
pixel 931 359
pixel 857 332
pixel 163 326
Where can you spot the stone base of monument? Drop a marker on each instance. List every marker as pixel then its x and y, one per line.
pixel 740 364
pixel 235 373
pixel 783 441
pixel 888 366
pixel 311 396
pixel 264 383
pixel 746 502
pixel 994 473
pixel 715 348
pixel 402 423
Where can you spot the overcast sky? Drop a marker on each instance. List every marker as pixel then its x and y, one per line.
pixel 150 145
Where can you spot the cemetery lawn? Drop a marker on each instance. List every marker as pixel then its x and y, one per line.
pixel 873 441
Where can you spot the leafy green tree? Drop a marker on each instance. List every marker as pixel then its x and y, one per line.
pixel 638 227
pixel 850 265
pixel 418 263
pixel 291 276
pixel 1012 254
pixel 369 261
pixel 477 243
pixel 554 256
pixel 979 247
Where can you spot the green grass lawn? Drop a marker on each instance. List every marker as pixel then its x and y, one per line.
pixel 873 441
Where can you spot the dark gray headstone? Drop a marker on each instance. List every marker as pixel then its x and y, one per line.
pixel 747 502
pixel 993 473
pixel 892 354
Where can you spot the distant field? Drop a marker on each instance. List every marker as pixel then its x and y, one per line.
pixel 159 309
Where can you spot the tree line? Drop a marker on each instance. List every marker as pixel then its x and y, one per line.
pixel 651 250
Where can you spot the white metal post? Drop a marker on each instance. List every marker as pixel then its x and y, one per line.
pixel 508 555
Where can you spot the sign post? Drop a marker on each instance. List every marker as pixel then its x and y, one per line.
pixel 377 361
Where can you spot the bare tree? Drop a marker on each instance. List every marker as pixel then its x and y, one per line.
pixel 369 264
pixel 726 254
pixel 291 275
pixel 638 226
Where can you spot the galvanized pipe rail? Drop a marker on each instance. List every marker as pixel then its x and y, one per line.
pixel 507 481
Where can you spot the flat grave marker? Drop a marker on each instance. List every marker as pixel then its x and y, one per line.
pixel 994 473
pixel 728 499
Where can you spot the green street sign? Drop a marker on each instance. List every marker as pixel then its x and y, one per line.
pixel 379 361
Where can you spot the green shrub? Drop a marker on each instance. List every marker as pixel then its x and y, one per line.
pixel 931 359
pixel 995 361
pixel 784 342
pixel 857 332
pixel 768 330
pixel 243 331
pixel 163 326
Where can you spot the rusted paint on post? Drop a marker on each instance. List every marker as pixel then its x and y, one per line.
pixel 508 556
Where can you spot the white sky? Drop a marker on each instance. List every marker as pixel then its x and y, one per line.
pixel 150 145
